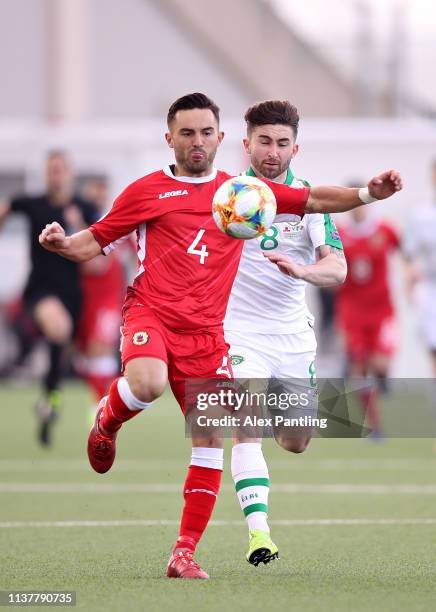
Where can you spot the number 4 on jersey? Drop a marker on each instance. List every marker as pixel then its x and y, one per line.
pixel 202 253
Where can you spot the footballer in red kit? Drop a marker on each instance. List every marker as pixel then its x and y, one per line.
pixel 364 304
pixel 189 264
pixel 101 310
pixel 364 308
pixel 174 311
pixel 103 287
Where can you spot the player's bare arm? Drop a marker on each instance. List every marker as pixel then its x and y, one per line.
pixel 5 209
pixel 329 270
pixel 341 199
pixel 79 247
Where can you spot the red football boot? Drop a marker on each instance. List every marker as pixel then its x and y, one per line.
pixel 182 565
pixel 101 447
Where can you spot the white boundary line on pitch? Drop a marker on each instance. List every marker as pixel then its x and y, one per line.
pixel 109 489
pixel 144 465
pixel 174 523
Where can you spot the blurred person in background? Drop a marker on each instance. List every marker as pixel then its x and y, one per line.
pixel 420 251
pixel 326 317
pixel 364 306
pixel 52 295
pixel 103 286
pixel 25 334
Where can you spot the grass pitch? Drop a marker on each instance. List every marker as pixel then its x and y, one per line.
pixel 355 522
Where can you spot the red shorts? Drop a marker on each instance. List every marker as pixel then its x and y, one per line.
pixel 191 355
pixel 99 322
pixel 370 337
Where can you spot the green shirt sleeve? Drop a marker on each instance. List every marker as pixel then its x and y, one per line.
pixel 332 237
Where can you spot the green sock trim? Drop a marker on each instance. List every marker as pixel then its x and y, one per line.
pixel 252 482
pixel 255 508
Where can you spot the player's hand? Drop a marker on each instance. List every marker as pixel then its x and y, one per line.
pixel 386 184
pixel 53 238
pixel 286 265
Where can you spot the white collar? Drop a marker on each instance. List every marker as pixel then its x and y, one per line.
pixel 190 179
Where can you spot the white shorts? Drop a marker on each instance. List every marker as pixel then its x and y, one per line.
pixel 281 356
pixel 283 365
pixel 427 316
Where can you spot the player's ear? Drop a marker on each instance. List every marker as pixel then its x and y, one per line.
pixel 169 140
pixel 220 136
pixel 295 150
pixel 246 143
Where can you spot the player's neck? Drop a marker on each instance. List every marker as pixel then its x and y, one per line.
pixel 182 171
pixel 60 197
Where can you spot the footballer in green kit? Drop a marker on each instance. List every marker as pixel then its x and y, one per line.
pixel 281 343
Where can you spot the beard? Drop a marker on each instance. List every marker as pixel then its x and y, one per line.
pixel 196 167
pixel 270 172
pixel 189 166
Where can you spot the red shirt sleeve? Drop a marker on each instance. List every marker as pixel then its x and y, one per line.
pixel 130 209
pixel 289 199
pixel 392 235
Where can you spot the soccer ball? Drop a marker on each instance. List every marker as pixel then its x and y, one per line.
pixel 244 207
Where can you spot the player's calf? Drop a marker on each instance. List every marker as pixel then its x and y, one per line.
pixel 293 445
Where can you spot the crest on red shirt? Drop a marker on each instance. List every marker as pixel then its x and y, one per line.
pixel 140 338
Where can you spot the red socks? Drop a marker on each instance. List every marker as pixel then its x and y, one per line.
pixel 115 412
pixel 369 399
pixel 99 384
pixel 200 492
pixel 202 482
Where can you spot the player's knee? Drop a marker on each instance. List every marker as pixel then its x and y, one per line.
pixel 293 445
pixel 53 320
pixel 61 334
pixel 146 390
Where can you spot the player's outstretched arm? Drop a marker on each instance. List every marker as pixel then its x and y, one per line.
pixel 81 246
pixel 5 209
pixel 330 269
pixel 341 199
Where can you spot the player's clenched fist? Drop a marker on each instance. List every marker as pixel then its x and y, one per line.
pixel 384 185
pixel 53 238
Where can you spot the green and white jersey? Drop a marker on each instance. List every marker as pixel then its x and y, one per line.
pixel 263 299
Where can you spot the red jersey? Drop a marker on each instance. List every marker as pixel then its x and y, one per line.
pixel 366 293
pixel 105 282
pixel 186 265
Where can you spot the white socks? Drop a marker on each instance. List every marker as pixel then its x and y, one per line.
pixel 208 457
pixel 132 402
pixel 251 478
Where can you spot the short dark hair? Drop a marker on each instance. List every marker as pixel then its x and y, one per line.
pixel 272 112
pixel 190 101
